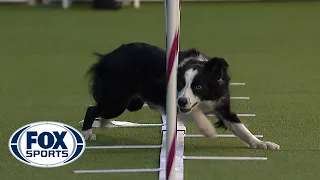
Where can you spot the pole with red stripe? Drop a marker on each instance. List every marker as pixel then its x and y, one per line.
pixel 172 12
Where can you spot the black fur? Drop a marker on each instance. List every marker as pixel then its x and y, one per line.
pixel 214 78
pixel 135 73
pixel 124 79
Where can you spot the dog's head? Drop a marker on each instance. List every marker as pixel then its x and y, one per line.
pixel 200 78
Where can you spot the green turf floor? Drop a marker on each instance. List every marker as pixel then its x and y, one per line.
pixel 273 47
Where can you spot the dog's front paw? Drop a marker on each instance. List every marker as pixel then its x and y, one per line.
pixel 265 145
pixel 88 135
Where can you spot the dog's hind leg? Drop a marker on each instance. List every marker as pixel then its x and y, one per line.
pixel 232 122
pixel 111 111
pixel 91 114
pixel 106 112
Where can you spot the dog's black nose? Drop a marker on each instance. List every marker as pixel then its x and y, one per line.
pixel 182 101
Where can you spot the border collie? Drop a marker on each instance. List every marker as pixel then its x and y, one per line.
pixel 135 73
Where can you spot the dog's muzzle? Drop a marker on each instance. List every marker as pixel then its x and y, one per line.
pixel 182 105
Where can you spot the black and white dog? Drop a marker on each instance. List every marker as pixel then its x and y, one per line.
pixel 135 73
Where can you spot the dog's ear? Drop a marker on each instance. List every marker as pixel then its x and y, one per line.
pixel 216 65
pixel 188 53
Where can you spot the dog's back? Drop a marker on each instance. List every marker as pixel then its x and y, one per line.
pixel 134 69
pixel 135 59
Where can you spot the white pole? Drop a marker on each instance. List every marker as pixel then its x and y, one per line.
pixel 172 11
pixel 136 4
pixel 66 4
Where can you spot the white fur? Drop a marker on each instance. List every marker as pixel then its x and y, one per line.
pixel 186 92
pixel 207 106
pixel 201 121
pixel 88 135
pixel 238 129
pixel 200 57
pixel 183 62
pixel 197 115
pixel 244 134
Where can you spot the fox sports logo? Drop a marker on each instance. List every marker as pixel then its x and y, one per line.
pixel 47 144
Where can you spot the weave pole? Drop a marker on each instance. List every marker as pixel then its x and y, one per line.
pixel 172 16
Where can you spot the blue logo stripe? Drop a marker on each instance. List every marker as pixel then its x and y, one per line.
pixel 78 137
pixel 16 152
pixel 16 136
pixel 78 151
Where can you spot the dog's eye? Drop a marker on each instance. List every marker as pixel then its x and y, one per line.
pixel 198 87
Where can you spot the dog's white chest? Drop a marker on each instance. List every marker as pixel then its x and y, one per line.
pixel 207 106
